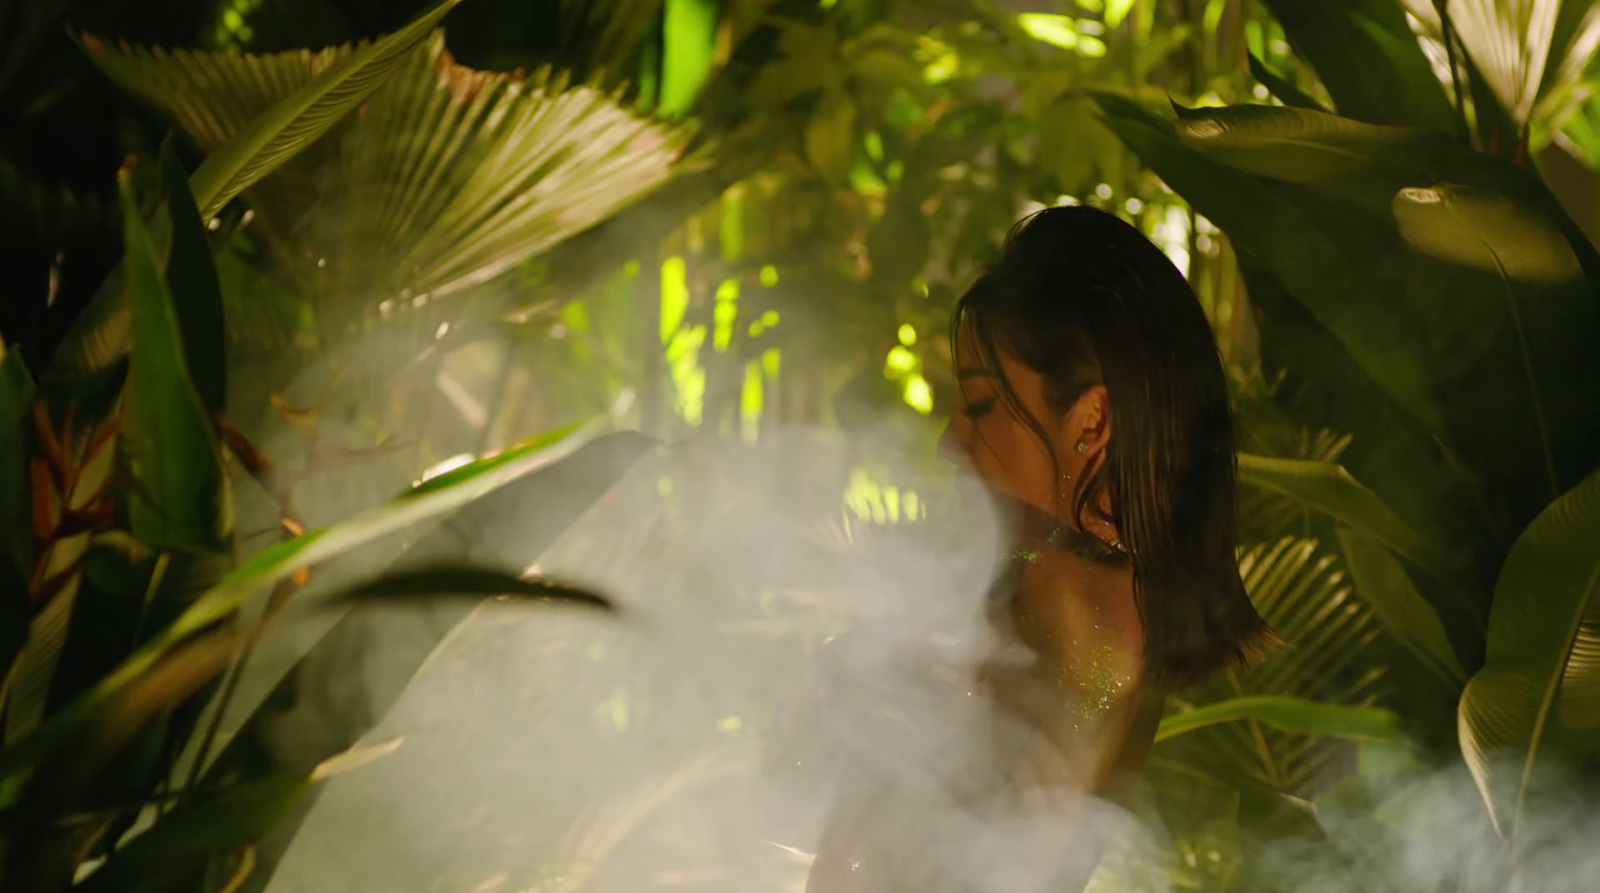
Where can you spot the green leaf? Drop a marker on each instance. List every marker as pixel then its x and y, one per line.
pixel 1538 694
pixel 428 499
pixel 449 177
pixel 1368 59
pixel 1384 584
pixel 16 413
pixel 1310 147
pixel 1287 93
pixel 294 122
pixel 830 136
pixel 181 842
pixel 464 580
pixel 196 294
pixel 1293 715
pixel 689 41
pixel 168 435
pixel 1329 489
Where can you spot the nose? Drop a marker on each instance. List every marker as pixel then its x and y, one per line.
pixel 950 446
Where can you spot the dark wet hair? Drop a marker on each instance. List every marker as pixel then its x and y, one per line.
pixel 1083 298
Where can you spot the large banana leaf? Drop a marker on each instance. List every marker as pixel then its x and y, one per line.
pixel 448 178
pixel 1490 347
pixel 1537 697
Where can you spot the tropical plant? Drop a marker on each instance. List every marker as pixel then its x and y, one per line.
pixel 124 595
pixel 1428 296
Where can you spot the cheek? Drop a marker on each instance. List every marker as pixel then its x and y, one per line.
pixel 1008 456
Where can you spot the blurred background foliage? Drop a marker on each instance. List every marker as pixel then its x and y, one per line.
pixel 748 214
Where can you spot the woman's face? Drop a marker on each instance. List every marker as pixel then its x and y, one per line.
pixel 1007 454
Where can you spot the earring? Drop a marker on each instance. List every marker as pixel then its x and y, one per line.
pixel 1083 446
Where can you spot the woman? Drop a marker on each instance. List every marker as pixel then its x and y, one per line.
pixel 1094 403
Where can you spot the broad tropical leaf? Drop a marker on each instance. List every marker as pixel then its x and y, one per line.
pixel 1538 694
pixel 1287 714
pixel 1368 59
pixel 1329 489
pixel 449 178
pixel 1445 352
pixel 1409 617
pixel 339 81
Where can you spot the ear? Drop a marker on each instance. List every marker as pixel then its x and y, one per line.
pixel 1089 422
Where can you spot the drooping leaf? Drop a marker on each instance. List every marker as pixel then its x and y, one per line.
pixel 344 81
pixel 830 135
pixel 1368 59
pixel 1409 617
pixel 171 445
pixel 1329 489
pixel 1538 694
pixel 1289 715
pixel 196 294
pixel 466 581
pixel 1287 93
pixel 182 841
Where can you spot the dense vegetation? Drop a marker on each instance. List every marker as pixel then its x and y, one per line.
pixel 239 269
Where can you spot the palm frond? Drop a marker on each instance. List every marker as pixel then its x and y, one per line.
pixel 446 178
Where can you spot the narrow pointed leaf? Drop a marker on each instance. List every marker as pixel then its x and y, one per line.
pixel 169 438
pixel 1287 93
pixel 1294 715
pixel 443 580
pixel 196 294
pixel 1536 696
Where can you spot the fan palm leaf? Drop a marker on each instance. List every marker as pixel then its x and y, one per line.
pixel 447 177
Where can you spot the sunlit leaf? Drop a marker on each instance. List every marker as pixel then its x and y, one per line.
pixel 342 81
pixel 831 134
pixel 1539 680
pixel 689 39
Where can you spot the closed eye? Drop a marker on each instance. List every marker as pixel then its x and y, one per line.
pixel 978 408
